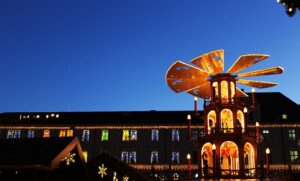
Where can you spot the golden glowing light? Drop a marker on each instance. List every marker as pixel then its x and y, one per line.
pixel 268 151
pixel 257 124
pixel 69 158
pixel 213 146
pixel 102 171
pixel 188 156
pixel 196 80
pixel 189 117
pixel 125 178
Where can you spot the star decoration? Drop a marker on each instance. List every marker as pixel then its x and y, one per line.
pixel 69 158
pixel 102 170
pixel 125 178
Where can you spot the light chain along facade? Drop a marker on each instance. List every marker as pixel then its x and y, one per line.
pixel 158 139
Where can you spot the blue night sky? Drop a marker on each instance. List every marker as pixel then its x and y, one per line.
pixel 112 55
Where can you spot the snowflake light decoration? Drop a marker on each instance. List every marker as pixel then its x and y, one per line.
pixel 69 158
pixel 102 170
pixel 125 178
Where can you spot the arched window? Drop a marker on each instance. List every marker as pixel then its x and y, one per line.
pixel 216 89
pixel 229 158
pixel 211 120
pixel 249 160
pixel 232 89
pixel 226 120
pixel 224 91
pixel 241 119
pixel 206 156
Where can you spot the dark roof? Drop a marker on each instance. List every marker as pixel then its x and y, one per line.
pixel 114 165
pixel 35 152
pixel 103 118
pixel 270 106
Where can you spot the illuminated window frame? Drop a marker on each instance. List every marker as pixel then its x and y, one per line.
pixel 124 156
pixel 85 156
pixel 175 135
pixel 62 133
pixel 10 134
pixel 30 134
pixel 133 135
pixel 132 157
pixel 85 135
pixel 104 135
pixel 154 157
pixel 69 133
pixel 17 133
pixel 46 133
pixel 195 134
pixel 125 136
pixel 175 157
pixel 154 135
pixel 284 116
pixel 294 156
pixel 292 134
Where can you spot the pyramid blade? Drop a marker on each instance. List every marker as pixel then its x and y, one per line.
pixel 212 62
pixel 203 91
pixel 181 77
pixel 266 71
pixel 258 84
pixel 245 61
pixel 240 93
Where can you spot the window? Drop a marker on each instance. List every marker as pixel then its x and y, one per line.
pixel 125 135
pixel 10 134
pixel 175 135
pixel 124 156
pixel 62 133
pixel 85 135
pixel 154 135
pixel 133 134
pixel 69 133
pixel 30 134
pixel 46 133
pixel 129 135
pixel 284 116
pixel 292 134
pixel 85 155
pixel 175 157
pixel 154 157
pixel 104 135
pixel 194 134
pixel 266 131
pixel 294 156
pixel 132 157
pixel 17 134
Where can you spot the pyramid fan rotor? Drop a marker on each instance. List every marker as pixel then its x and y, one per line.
pixel 182 77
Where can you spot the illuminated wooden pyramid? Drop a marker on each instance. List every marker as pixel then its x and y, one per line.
pixel 226 147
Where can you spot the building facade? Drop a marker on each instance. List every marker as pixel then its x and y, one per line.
pixel 157 140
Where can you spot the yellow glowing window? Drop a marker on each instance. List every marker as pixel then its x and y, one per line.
pixel 232 89
pixel 292 134
pixel 284 116
pixel 46 133
pixel 215 85
pixel 62 133
pixel 69 133
pixel 125 135
pixel 224 91
pixel 294 155
pixel 85 155
pixel 104 136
